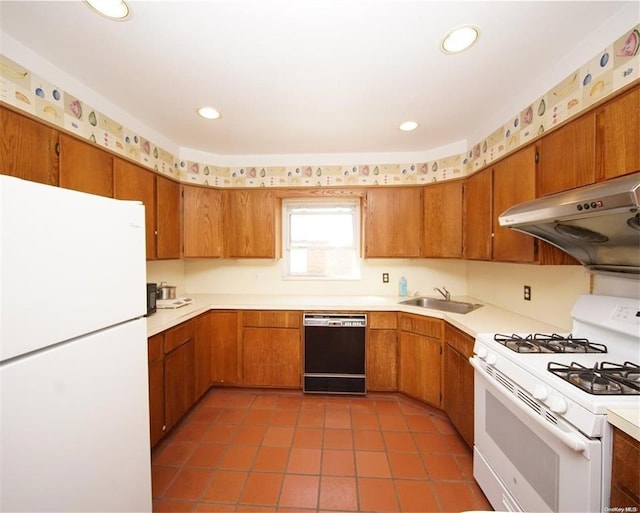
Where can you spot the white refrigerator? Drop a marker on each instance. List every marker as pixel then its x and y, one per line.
pixel 74 407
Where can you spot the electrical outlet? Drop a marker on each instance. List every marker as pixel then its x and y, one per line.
pixel 527 293
pixel 385 277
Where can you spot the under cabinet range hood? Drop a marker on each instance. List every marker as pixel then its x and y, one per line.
pixel 598 225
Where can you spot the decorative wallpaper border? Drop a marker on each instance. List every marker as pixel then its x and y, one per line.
pixel 611 69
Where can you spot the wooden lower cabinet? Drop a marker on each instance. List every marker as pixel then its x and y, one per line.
pixel 223 335
pixel 382 352
pixel 156 388
pixel 179 383
pixel 458 381
pixel 625 474
pixel 420 358
pixel 202 354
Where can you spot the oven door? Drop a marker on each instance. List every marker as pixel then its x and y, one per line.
pixel 526 459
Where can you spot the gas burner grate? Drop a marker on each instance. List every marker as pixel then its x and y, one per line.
pixel 548 343
pixel 605 378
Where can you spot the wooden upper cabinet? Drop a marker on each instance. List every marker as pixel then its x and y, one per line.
pixel 131 182
pixel 393 222
pixel 442 220
pixel 85 167
pixel 167 218
pixel 567 156
pixel 514 181
pixel 477 215
pixel 251 224
pixel 28 149
pixel 201 222
pixel 618 136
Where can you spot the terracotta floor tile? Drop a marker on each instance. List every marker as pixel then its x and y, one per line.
pixel 190 432
pixel 271 459
pixel 304 461
pixel 221 433
pixel 238 457
pixel 369 441
pixel 241 399
pixel 392 423
pixel 189 484
pixel 299 491
pixel 456 444
pixel 338 493
pixel 265 401
pixel 338 463
pixel 364 421
pixel 232 416
pixel 204 415
pixel 206 455
pixel 310 438
pixel 225 486
pixel 384 406
pixel 161 505
pixel 214 507
pixel 311 418
pixel 261 489
pixel 249 435
pixel 398 441
pixel 215 399
pixel 289 402
pixel 338 403
pixel 362 405
pixel 337 439
pixel 313 402
pixel 416 496
pixel 377 495
pixel 249 508
pixel 420 424
pixel 430 443
pixel 442 466
pixel 372 464
pixel 337 420
pixel 173 453
pixel 160 479
pixel 444 426
pixel 455 497
pixel 257 417
pixel 284 418
pixel 406 465
pixel 465 464
pixel 278 436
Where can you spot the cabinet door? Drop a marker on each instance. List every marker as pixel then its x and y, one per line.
pixel 442 220
pixel 382 351
pixel 202 221
pixel 224 347
pixel 458 392
pixel 85 167
pixel 567 156
pixel 393 220
pixel 514 181
pixel 271 357
pixel 179 383
pixel 167 218
pixel 251 227
pixel 28 149
pixel 477 216
pixel 131 182
pixel 618 136
pixel 625 480
pixel 156 388
pixel 202 354
pixel 420 367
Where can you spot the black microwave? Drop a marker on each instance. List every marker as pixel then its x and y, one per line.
pixel 152 293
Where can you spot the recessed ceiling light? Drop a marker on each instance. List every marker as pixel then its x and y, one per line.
pixel 460 39
pixel 407 126
pixel 113 9
pixel 209 112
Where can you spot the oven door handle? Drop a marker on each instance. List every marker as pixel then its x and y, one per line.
pixel 571 440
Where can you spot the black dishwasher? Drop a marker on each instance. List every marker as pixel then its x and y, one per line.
pixel 334 353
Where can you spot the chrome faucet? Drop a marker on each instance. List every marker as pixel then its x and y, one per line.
pixel 446 293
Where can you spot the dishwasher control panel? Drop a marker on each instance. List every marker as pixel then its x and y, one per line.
pixel 335 320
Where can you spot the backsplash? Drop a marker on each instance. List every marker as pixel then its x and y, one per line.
pixel 611 69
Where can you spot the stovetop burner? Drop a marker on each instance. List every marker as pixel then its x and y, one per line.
pixel 605 378
pixel 545 343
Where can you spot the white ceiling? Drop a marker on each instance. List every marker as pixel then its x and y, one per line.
pixel 303 76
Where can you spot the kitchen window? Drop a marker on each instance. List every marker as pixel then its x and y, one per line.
pixel 321 238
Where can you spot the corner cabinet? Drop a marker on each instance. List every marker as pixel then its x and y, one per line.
pixel 251 223
pixel 201 222
pixel 393 222
pixel 442 220
pixel 382 352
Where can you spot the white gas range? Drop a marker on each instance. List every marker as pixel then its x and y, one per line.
pixel 542 442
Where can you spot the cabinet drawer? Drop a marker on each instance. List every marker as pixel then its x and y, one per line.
pixel 426 326
pixel 460 341
pixel 271 319
pixel 382 320
pixel 154 347
pixel 177 336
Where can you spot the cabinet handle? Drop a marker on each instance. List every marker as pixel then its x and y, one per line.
pixel 537 157
pixel 57 149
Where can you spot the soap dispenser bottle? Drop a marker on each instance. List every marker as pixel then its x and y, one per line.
pixel 403 287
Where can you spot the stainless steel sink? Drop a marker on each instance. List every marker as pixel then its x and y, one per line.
pixel 459 307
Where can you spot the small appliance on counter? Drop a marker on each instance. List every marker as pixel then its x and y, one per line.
pixel 173 303
pixel 152 295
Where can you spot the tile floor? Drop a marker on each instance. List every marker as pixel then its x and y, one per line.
pixel 265 451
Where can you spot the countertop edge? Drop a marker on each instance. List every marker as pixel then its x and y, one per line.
pixel 626 419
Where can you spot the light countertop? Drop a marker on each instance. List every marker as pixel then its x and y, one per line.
pixel 626 419
pixel 486 319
